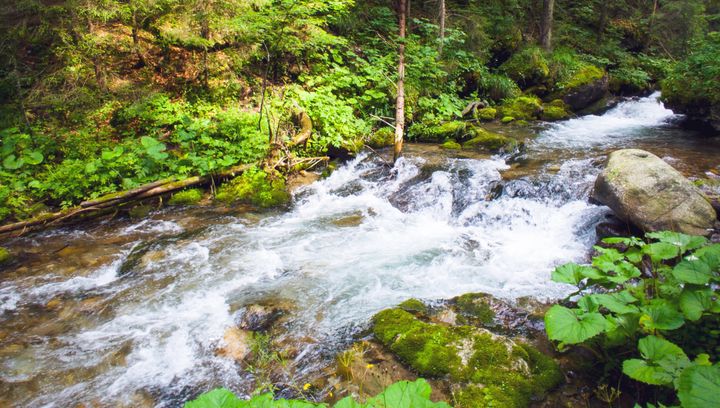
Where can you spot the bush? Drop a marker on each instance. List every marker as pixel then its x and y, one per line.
pixel 527 67
pixel 693 82
pixel 497 87
pixel 621 309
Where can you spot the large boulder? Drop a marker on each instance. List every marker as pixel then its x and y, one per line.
pixel 643 189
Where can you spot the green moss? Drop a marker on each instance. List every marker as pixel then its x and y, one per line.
pixel 507 119
pixel 255 187
pixel 585 75
pixel 486 114
pixel 522 107
pixel 437 133
pixel 554 113
pixel 451 145
pixel 527 67
pixel 382 137
pixel 490 141
pixel 474 308
pixel 186 197
pixel 497 372
pixel 4 255
pixel 414 306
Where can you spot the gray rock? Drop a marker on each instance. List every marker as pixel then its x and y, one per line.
pixel 643 189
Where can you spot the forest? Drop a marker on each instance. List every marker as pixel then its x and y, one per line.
pixel 382 203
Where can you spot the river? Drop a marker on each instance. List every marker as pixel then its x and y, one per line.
pixel 130 313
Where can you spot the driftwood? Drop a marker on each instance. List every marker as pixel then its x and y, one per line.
pixel 104 205
pixel 306 127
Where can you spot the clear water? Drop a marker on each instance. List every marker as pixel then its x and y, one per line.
pixel 131 314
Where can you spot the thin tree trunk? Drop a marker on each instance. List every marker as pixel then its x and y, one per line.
pixel 400 101
pixel 442 26
pixel 603 22
pixel 651 24
pixel 136 42
pixel 546 25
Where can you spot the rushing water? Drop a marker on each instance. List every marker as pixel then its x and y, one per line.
pixel 132 313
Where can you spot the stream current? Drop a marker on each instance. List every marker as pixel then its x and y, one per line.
pixel 131 313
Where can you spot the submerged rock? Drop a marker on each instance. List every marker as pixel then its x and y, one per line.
pixel 237 344
pixel 643 189
pixel 490 141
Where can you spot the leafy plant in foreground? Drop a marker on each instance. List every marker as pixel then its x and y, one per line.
pixel 403 394
pixel 644 291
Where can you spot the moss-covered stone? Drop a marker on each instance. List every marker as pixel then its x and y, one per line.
pixel 255 187
pixel 490 141
pixel 414 306
pixel 382 137
pixel 555 110
pixel 4 255
pixel 527 67
pixel 186 197
pixel 493 370
pixel 522 107
pixel 507 119
pixel 451 145
pixel 486 114
pixel 437 133
pixel 474 308
pixel 587 74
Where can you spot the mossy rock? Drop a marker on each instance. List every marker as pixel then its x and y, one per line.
pixel 474 308
pixel 486 114
pixel 414 306
pixel 5 255
pixel 522 108
pixel 510 372
pixel 507 119
pixel 451 145
pixel 587 74
pixel 587 85
pixel 437 133
pixel 554 111
pixel 186 197
pixel 490 141
pixel 255 187
pixel 382 137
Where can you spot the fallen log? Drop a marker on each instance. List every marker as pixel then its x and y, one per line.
pixel 88 209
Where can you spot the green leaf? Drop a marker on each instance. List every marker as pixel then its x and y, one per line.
pixel 619 303
pixel 693 302
pixel 710 255
pixel 13 163
pixel 693 271
pixel 661 360
pixel 631 241
pixel 623 272
pixel 218 398
pixel 661 251
pixel 699 386
pixel 405 394
pixel 570 327
pixel 683 241
pixel 34 158
pixel 571 273
pixel 660 315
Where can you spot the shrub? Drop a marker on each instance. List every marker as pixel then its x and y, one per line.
pixel 637 295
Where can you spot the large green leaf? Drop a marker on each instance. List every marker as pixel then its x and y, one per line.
pixel 660 315
pixel 693 302
pixel 699 386
pixel 693 271
pixel 34 157
pixel 13 163
pixel 405 394
pixel 661 361
pixel 573 273
pixel 661 251
pixel 710 255
pixel 682 241
pixel 572 327
pixel 218 398
pixel 620 302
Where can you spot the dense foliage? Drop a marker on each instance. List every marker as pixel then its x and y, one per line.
pixel 97 97
pixel 654 299
pixel 402 394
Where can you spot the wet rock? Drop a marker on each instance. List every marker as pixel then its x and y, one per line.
pixel 349 221
pixel 613 227
pixel 414 306
pixel 259 317
pixel 490 141
pixel 237 344
pixel 301 179
pixel 382 137
pixel 646 191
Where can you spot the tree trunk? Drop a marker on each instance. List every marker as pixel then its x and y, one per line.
pixel 651 25
pixel 442 26
pixel 546 24
pixel 400 101
pixel 602 24
pixel 136 42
